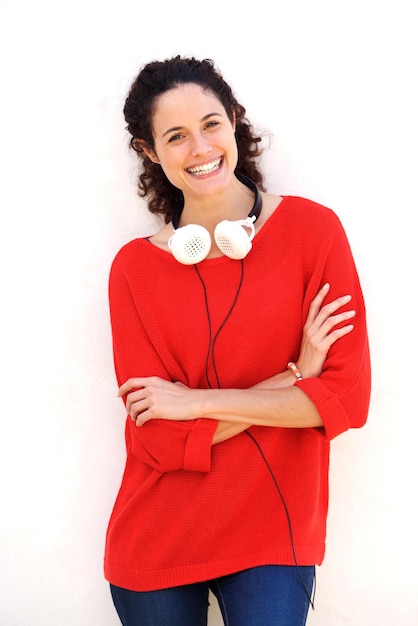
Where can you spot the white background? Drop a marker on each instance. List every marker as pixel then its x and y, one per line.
pixel 336 85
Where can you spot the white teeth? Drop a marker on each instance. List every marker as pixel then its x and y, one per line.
pixel 207 168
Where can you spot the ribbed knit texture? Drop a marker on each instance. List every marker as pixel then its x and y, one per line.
pixel 186 510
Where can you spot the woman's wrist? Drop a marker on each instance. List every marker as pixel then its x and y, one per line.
pixel 297 374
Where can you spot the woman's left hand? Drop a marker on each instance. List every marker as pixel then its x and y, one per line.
pixel 324 326
pixel 155 398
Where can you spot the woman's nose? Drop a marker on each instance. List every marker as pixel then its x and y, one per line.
pixel 200 145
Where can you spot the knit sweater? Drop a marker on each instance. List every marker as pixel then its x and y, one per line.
pixel 188 510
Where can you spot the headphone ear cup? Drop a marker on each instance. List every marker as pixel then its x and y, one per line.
pixel 232 239
pixel 190 244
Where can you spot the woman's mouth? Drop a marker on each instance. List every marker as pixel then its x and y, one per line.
pixel 206 168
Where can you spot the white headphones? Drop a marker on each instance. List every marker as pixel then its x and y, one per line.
pixel 191 244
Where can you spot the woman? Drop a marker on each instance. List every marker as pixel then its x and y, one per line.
pixel 238 362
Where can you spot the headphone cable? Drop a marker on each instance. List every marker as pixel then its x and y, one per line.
pixel 211 345
pixel 211 353
pixel 263 456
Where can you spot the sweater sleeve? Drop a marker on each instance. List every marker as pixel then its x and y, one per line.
pixel 162 444
pixel 342 392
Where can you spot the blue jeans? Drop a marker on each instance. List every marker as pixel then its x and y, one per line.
pixel 271 595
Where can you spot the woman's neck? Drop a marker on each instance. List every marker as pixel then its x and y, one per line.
pixel 232 204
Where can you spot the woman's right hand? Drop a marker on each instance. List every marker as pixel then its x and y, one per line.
pixel 319 332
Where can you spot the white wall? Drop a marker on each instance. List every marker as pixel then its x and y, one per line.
pixel 336 85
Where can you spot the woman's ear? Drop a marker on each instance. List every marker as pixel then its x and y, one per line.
pixel 148 151
pixel 234 120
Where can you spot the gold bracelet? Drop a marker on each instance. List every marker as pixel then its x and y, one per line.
pixel 293 368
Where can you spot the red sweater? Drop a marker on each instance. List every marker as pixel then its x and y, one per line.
pixel 188 510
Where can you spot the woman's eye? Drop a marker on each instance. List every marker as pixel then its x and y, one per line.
pixel 175 137
pixel 212 124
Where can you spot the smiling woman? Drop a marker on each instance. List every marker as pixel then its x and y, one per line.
pixel 237 367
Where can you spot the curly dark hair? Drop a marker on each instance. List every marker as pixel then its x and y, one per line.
pixel 156 78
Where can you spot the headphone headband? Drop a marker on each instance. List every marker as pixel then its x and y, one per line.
pixel 255 211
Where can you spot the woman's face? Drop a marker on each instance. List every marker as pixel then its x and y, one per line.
pixel 194 141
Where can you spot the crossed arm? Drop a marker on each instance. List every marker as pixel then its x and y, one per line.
pixel 272 402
